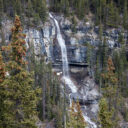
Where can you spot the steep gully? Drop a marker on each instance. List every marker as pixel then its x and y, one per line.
pixel 66 76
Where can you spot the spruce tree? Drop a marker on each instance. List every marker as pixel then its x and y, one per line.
pixel 18 7
pixel 2 69
pixel 125 15
pixel 30 9
pixel 76 119
pixel 110 80
pixel 2 92
pixel 111 15
pixel 104 115
pixel 81 9
pixel 1 11
pixel 104 55
pixel 42 9
pixel 21 98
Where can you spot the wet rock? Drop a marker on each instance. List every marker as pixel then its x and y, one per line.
pixel 124 125
pixel 87 93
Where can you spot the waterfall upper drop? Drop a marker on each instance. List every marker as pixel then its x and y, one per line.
pixel 63 49
pixel 61 41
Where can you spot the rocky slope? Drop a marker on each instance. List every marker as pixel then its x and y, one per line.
pixel 43 37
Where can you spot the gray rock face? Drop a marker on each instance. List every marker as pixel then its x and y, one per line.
pixel 124 125
pixel 43 37
pixel 87 93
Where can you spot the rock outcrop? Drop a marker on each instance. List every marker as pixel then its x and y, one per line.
pixel 43 37
pixel 87 92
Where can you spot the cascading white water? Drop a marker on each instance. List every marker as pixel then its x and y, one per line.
pixel 66 76
pixel 63 49
pixel 61 42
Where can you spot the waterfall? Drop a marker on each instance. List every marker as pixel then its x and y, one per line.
pixel 66 76
pixel 61 42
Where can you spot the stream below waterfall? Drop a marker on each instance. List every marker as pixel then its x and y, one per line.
pixel 66 76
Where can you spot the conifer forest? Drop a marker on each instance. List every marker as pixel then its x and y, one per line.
pixel 63 63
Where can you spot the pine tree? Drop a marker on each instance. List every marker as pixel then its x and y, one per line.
pixel 1 6
pixel 18 7
pixel 104 115
pixel 42 9
pixel 110 80
pixel 76 119
pixel 81 9
pixel 111 18
pixel 104 55
pixel 120 62
pixel 65 6
pixel 21 98
pixel 2 69
pixel 1 11
pixel 2 91
pixel 30 9
pixel 125 16
pixel 74 24
pixel 90 60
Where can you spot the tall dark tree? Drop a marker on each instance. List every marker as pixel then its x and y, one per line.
pixel 21 98
pixel 2 91
pixel 125 15
pixel 104 115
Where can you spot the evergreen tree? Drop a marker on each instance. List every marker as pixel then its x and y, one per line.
pixel 2 69
pixel 81 9
pixel 76 119
pixel 30 9
pixel 74 24
pixel 104 115
pixel 1 11
pixel 51 102
pixel 42 10
pixel 20 96
pixel 111 17
pixel 90 58
pixel 125 15
pixel 110 80
pixel 104 55
pixel 65 6
pixel 2 91
pixel 18 7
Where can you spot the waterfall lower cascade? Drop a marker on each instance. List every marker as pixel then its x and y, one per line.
pixel 66 76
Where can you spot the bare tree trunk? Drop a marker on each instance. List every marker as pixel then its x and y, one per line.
pixel 43 97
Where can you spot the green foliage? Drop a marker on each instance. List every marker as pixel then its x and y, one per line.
pixel 76 119
pixel 111 15
pixel 104 115
pixel 65 6
pixel 101 59
pixel 51 102
pixel 107 12
pixel 90 58
pixel 121 64
pixel 81 9
pixel 20 98
pixel 125 16
pixel 41 9
pixel 74 23
pixel 1 11
pixel 110 80
pixel 29 8
pixel 2 90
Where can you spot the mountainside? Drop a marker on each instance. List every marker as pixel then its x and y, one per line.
pixel 76 53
